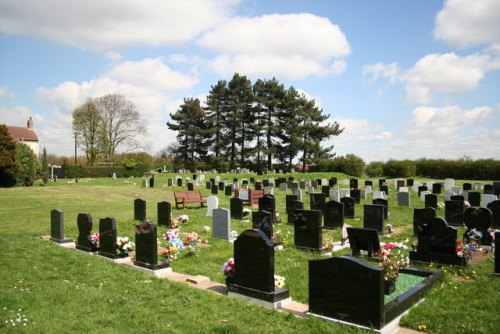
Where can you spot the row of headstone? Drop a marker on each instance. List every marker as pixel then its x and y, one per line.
pixel 164 211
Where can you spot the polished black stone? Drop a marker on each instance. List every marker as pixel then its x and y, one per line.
pixel 349 207
pixel 479 219
pixel 307 230
pixel 268 203
pixel 208 185
pixel 356 194
pixel 152 182
pixel 164 211
pixel 353 184
pixel 140 209
pixel 83 242
pixel 474 198
pixel 288 202
pixel 215 189
pixel 421 216
pixel 317 201
pixel 436 188
pixel 467 186
pixel 385 203
pixel 488 189
pixel 368 183
pixel 221 186
pixel 294 206
pixel 409 182
pixel 431 201
pixel 57 227
pixel 254 262
pixel 420 189
pixel 332 181
pixel 373 217
pixel 107 237
pixel 365 239
pixel 325 190
pixel 228 190
pixel 258 185
pixel 179 182
pixel 333 215
pixel 236 208
pixel 457 198
pixel 146 247
pixel 262 220
pixel 385 188
pixel 495 211
pixel 454 212
pixel 190 186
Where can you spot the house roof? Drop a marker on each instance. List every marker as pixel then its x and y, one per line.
pixel 22 134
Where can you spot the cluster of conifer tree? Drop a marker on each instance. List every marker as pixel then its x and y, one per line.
pixel 245 124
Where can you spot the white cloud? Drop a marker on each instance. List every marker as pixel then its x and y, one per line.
pixel 6 93
pixel 113 24
pixel 469 23
pixel 381 70
pixel 291 46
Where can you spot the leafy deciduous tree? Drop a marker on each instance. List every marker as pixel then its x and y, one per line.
pixel 8 163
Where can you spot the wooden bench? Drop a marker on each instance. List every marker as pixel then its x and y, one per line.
pixel 253 196
pixel 188 196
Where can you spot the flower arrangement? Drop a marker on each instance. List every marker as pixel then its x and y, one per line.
pixel 94 240
pixel 175 222
pixel 190 240
pixel 440 205
pixel 465 250
pixel 327 240
pixel 279 281
pixel 393 258
pixel 173 245
pixel 228 268
pixel 277 218
pixel 206 229
pixel 124 245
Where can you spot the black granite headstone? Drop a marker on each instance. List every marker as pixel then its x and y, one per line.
pixel 215 189
pixel 228 190
pixel 152 182
pixel 353 184
pixel 140 209
pixel 268 203
pixel 236 208
pixel 325 190
pixel 374 217
pixel 208 185
pixel 307 230
pixel 495 211
pixel 332 181
pixel 254 261
pixel 349 207
pixel 436 188
pixel 431 201
pixel 146 247
pixel 265 183
pixel 421 188
pixel 467 186
pixel 474 198
pixel 479 220
pixel 385 203
pixel 294 206
pixel 164 211
pixel 262 220
pixel 317 201
pixel 381 182
pixel 369 183
pixel 488 189
pixel 190 186
pixel 460 198
pixel 288 202
pixel 409 182
pixel 221 186
pixel 179 182
pixel 333 215
pixel 422 217
pixel 454 212
pixel 107 237
pixel 496 188
pixel 258 186
pixel 365 239
pixel 57 227
pixel 84 222
pixel 356 194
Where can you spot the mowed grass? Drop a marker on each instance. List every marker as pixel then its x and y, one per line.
pixel 60 290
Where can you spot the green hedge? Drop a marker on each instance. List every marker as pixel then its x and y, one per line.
pixel 79 171
pixel 464 169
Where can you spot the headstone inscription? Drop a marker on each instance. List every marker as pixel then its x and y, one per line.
pixel 254 258
pixel 333 215
pixel 373 217
pixel 107 237
pixel 422 216
pixel 57 227
pixel 84 242
pixel 437 243
pixel 146 247
pixel 140 209
pixel 454 212
pixel 307 230
pixel 164 211
pixel 478 222
pixel 431 201
pixel 221 224
pixel 365 239
pixel 495 211
pixel 349 207
pixel 385 203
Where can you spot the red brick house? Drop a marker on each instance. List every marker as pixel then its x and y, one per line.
pixel 25 135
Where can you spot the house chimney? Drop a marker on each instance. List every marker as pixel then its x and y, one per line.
pixel 30 123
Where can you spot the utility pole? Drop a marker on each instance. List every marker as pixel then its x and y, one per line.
pixel 75 147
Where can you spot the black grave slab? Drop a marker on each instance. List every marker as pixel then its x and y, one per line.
pixel 236 208
pixel 349 207
pixel 164 211
pixel 254 260
pixel 385 188
pixel 332 181
pixel 107 237
pixel 467 186
pixel 422 217
pixel 152 182
pixel 179 182
pixel 294 206
pixel 454 212
pixel 474 198
pixel 365 239
pixel 288 202
pixel 368 183
pixel 420 189
pixel 83 242
pixel 457 198
pixel 215 189
pixel 228 190
pixel 356 194
pixel 307 230
pixel 190 186
pixel 325 190
pixel 436 188
pixel 140 209
pixel 496 188
pixel 333 215
pixel 146 247
pixel 353 183
pixel 410 182
pixel 373 217
pixel 57 227
pixel 479 220
pixel 488 189
pixel 262 220
pixel 495 211
pixel 431 201
pixel 317 201
pixel 385 203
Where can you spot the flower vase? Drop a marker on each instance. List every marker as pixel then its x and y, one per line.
pixel 389 286
pixel 229 280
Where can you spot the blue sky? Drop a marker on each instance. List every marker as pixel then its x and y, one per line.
pixel 406 79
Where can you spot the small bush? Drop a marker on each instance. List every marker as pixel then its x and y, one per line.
pixel 350 164
pixel 375 169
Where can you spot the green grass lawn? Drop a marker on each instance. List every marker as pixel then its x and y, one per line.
pixel 52 289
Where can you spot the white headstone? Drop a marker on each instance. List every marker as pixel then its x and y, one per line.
pixel 344 193
pixel 243 194
pixel 486 199
pixel 345 182
pixel 334 195
pixel 457 190
pixel 283 186
pixel 423 193
pixel 114 176
pixel 217 178
pixel 403 189
pixel 448 194
pixel 379 194
pixel 212 203
pixel 448 183
pixel 297 192
pixel 368 190
pixel 269 190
